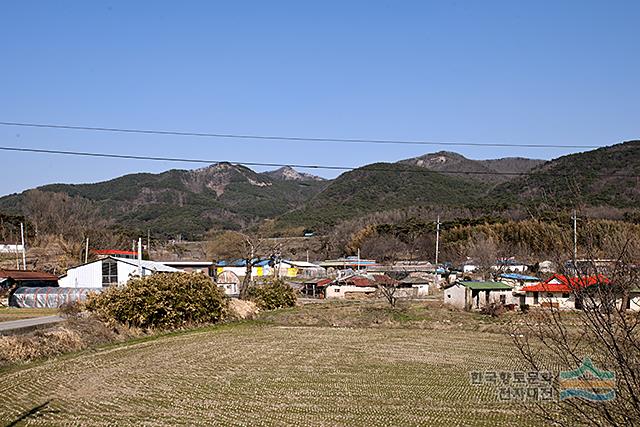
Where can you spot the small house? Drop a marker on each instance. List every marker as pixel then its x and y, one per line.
pixel 259 267
pixel 11 279
pixel 229 282
pixel 110 271
pixel 510 265
pixel 10 248
pixel 205 267
pixel 558 291
pixel 415 286
pixel 357 286
pixel 517 280
pixel 476 295
pixel 315 288
pixel 300 269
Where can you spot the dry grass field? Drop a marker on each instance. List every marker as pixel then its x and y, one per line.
pixel 11 313
pixel 271 375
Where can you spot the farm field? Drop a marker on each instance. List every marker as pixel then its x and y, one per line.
pixel 265 374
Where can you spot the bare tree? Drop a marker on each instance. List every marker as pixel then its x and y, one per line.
pixel 236 245
pixel 603 329
pixel 387 288
pixel 483 250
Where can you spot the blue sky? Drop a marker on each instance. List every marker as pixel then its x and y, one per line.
pixel 550 72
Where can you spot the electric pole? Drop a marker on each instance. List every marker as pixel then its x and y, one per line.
pixel 575 239
pixel 24 254
pixel 437 239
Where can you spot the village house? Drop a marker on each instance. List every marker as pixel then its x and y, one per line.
pixel 476 295
pixel 509 265
pixel 259 267
pixel 633 299
pixel 334 266
pixel 110 271
pixel 314 288
pixel 300 269
pixel 11 279
pixel 206 267
pixel 229 283
pixel 10 248
pixel 558 291
pixel 414 286
pixel 517 280
pixel 351 287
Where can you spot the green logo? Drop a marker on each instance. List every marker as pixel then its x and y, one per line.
pixel 588 382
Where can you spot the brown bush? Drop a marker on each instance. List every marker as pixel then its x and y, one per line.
pixel 161 301
pixel 71 335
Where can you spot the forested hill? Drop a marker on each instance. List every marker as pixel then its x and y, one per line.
pixel 382 187
pixel 191 202
pixel 176 202
pixel 605 177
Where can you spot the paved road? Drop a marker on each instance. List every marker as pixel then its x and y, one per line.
pixel 28 323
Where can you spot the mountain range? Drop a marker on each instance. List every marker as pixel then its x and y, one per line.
pixel 227 196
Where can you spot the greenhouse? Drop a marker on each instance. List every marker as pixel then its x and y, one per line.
pixel 47 297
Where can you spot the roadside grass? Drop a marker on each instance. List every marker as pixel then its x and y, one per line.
pixel 12 313
pixel 419 314
pixel 256 373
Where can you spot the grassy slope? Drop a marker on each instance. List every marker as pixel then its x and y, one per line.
pixel 274 375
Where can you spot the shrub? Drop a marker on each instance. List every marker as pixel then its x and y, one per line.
pixel 493 309
pixel 71 309
pixel 272 294
pixel 162 301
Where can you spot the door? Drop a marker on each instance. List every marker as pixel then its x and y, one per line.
pixel 535 298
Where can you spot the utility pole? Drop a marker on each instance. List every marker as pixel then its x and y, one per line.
pixel 358 266
pixel 148 243
pixel 437 251
pixel 24 254
pixel 140 256
pixel 575 239
pixel 86 251
pixel 437 239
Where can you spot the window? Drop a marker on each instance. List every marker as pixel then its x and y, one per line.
pixel 549 295
pixel 566 295
pixel 109 272
pixel 503 299
pixel 337 289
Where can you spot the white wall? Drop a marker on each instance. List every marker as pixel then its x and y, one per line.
pixel 84 276
pixel 422 290
pixel 556 298
pixel 455 296
pixel 10 249
pixel 339 292
pixel 90 275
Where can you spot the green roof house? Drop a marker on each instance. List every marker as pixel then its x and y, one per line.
pixel 469 295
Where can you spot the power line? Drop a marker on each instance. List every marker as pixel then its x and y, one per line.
pixel 293 165
pixel 289 138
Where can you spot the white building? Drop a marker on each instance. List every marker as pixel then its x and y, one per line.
pixel 260 268
pixel 7 248
pixel 110 271
pixel 303 269
pixel 337 291
pixel 475 295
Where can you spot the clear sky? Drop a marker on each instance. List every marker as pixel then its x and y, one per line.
pixel 551 72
